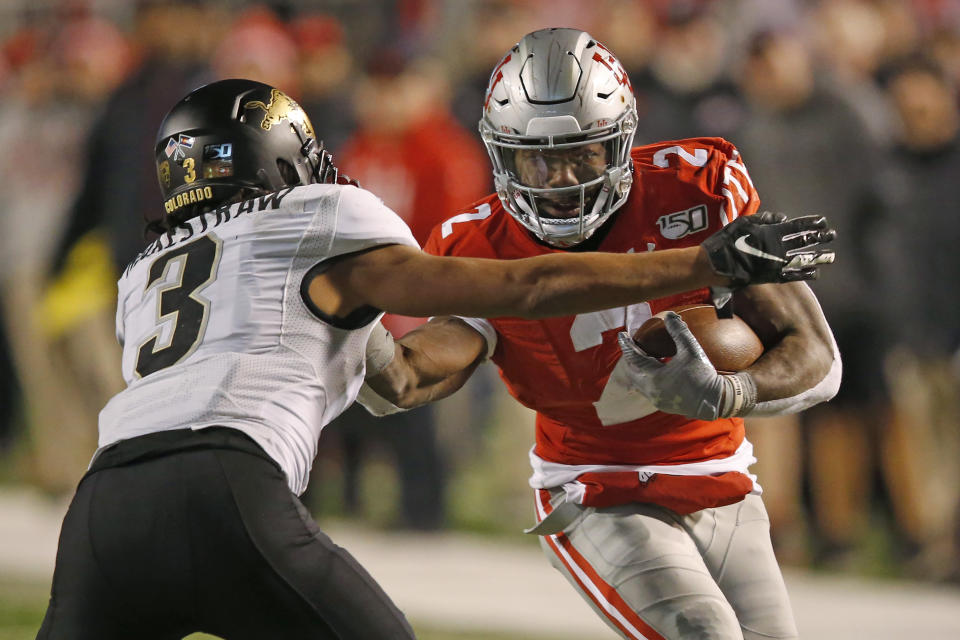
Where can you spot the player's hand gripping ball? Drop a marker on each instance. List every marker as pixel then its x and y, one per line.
pixel 729 343
pixel 689 383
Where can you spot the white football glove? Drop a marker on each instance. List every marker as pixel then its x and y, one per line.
pixel 688 384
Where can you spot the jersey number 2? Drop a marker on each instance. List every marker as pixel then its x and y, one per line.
pixel 618 403
pixel 180 302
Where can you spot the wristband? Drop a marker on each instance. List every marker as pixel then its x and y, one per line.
pixel 374 403
pixel 740 395
pixel 380 350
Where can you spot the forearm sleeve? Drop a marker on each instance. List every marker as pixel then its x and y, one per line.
pixel 821 392
pixel 374 403
pixel 381 349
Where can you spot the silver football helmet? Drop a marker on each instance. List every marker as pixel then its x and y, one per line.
pixel 558 122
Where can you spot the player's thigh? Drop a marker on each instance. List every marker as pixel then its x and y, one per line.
pixel 313 583
pixel 735 543
pixel 643 575
pixel 90 597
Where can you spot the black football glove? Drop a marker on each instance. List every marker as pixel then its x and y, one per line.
pixel 769 248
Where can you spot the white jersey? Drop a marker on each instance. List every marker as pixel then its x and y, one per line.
pixel 216 332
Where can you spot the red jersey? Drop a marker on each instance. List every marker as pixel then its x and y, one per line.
pixel 566 369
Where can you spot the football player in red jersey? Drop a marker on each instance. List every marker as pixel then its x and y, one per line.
pixel 643 494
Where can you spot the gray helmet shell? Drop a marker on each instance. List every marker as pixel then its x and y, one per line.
pixel 559 89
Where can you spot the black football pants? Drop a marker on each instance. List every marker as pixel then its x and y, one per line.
pixel 183 531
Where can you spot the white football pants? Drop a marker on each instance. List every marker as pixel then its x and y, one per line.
pixel 652 574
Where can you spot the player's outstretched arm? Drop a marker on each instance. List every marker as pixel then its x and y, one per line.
pixel 406 281
pixel 400 279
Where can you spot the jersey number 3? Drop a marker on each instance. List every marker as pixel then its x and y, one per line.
pixel 179 301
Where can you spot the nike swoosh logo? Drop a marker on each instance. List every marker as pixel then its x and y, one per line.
pixel 741 245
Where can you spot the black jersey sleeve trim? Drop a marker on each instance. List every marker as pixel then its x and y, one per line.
pixel 359 317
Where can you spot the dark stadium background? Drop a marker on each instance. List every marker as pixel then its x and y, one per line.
pixel 844 107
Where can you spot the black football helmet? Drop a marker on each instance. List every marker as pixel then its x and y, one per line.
pixel 231 140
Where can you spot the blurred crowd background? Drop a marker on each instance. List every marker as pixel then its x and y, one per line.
pixel 847 108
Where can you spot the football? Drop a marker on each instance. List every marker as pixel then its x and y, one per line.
pixel 730 343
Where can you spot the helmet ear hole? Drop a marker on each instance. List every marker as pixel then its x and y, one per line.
pixel 287 172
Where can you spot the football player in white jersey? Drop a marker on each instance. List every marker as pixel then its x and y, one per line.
pixel 246 327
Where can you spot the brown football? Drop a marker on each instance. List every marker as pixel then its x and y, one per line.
pixel 730 343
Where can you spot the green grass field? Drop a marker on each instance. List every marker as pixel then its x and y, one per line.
pixel 21 609
pixel 22 606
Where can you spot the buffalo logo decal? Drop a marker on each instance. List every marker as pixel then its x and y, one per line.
pixel 281 107
pixel 164 172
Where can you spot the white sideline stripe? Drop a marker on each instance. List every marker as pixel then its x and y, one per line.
pixel 584 579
